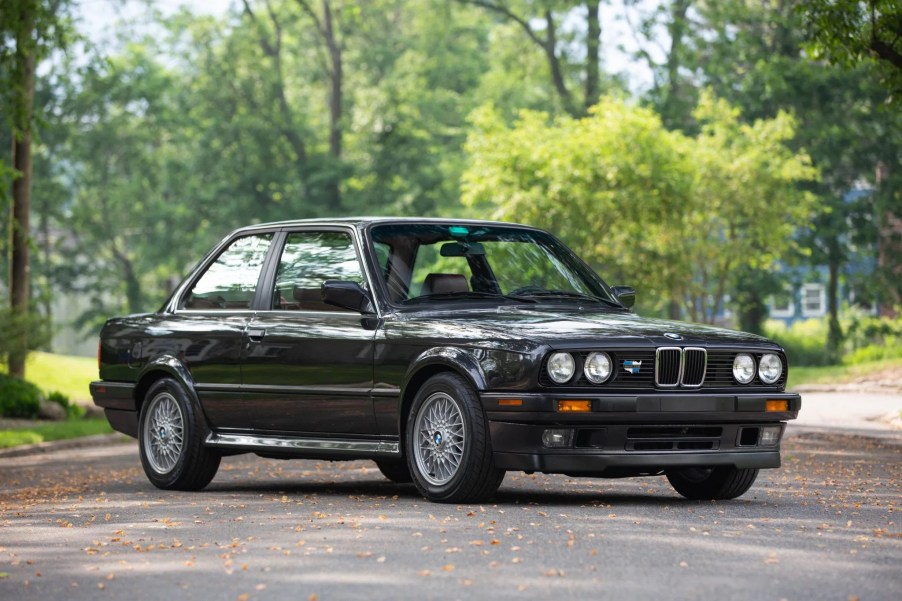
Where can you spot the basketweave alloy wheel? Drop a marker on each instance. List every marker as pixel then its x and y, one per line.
pixel 440 434
pixel 449 451
pixel 171 439
pixel 711 483
pixel 164 433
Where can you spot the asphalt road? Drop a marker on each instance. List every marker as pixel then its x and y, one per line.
pixel 86 524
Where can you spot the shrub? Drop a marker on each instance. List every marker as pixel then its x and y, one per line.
pixel 73 411
pixel 871 338
pixel 18 398
pixel 890 349
pixel 805 342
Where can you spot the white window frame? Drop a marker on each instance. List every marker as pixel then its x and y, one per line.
pixel 822 300
pixel 788 312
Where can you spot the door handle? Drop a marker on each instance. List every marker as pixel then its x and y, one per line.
pixel 256 334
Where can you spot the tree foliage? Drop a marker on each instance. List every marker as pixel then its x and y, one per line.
pixel 153 145
pixel 851 32
pixel 672 214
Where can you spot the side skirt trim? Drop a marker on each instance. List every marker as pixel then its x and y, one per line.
pixel 350 448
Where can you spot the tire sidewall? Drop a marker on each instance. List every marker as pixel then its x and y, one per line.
pixel 466 402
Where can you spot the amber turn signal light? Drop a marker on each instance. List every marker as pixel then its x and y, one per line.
pixel 776 405
pixel 510 402
pixel 574 406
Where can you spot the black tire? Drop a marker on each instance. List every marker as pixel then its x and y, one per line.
pixel 171 436
pixel 713 483
pixel 396 471
pixel 449 451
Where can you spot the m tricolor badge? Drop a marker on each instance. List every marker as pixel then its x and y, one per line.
pixel 632 366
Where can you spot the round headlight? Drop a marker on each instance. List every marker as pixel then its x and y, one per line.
pixel 744 368
pixel 561 367
pixel 598 367
pixel 770 368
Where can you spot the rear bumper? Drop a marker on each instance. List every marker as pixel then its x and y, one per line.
pixel 639 434
pixel 118 402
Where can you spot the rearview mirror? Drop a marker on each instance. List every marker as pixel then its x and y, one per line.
pixel 462 249
pixel 347 295
pixel 625 294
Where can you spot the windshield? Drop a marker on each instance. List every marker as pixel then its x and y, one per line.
pixel 422 263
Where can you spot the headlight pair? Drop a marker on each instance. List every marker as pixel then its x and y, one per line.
pixel 770 368
pixel 597 368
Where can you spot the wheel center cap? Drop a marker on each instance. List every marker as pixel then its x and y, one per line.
pixel 163 433
pixel 437 438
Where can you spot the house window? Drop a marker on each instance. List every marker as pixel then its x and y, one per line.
pixel 782 305
pixel 814 300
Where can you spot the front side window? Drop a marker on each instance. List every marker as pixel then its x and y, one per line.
pixel 309 259
pixel 230 283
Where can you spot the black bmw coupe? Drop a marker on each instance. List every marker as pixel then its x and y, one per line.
pixel 448 352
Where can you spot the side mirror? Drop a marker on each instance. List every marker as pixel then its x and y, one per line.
pixel 625 294
pixel 347 295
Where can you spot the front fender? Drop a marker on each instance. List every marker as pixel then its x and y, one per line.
pixel 463 361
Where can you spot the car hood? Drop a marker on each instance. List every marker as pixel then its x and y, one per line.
pixel 571 327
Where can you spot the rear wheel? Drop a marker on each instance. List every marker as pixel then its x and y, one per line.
pixel 171 440
pixel 709 483
pixel 449 451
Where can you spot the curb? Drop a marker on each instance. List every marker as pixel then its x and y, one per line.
pixel 62 445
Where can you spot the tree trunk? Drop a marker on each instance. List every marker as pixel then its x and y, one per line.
pixel 336 100
pixel 133 293
pixel 593 43
pixel 834 332
pixel 46 298
pixel 671 112
pixel 21 190
pixel 674 309
pixel 554 65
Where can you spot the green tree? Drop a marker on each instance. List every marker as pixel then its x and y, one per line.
pixel 572 53
pixel 29 29
pixel 671 214
pixel 851 32
pixel 752 55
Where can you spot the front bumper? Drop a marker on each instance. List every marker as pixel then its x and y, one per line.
pixel 631 435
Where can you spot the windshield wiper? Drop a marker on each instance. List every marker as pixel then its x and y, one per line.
pixel 574 295
pixel 471 294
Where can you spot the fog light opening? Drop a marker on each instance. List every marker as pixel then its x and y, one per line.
pixel 748 437
pixel 770 436
pixel 555 438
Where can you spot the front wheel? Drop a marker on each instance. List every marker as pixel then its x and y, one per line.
pixel 171 440
pixel 449 450
pixel 711 483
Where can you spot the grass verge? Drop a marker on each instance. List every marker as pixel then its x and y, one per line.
pixel 64 373
pixel 839 374
pixel 75 428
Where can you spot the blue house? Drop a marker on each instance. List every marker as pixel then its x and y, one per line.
pixel 805 292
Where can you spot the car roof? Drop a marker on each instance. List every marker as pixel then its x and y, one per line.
pixel 361 222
